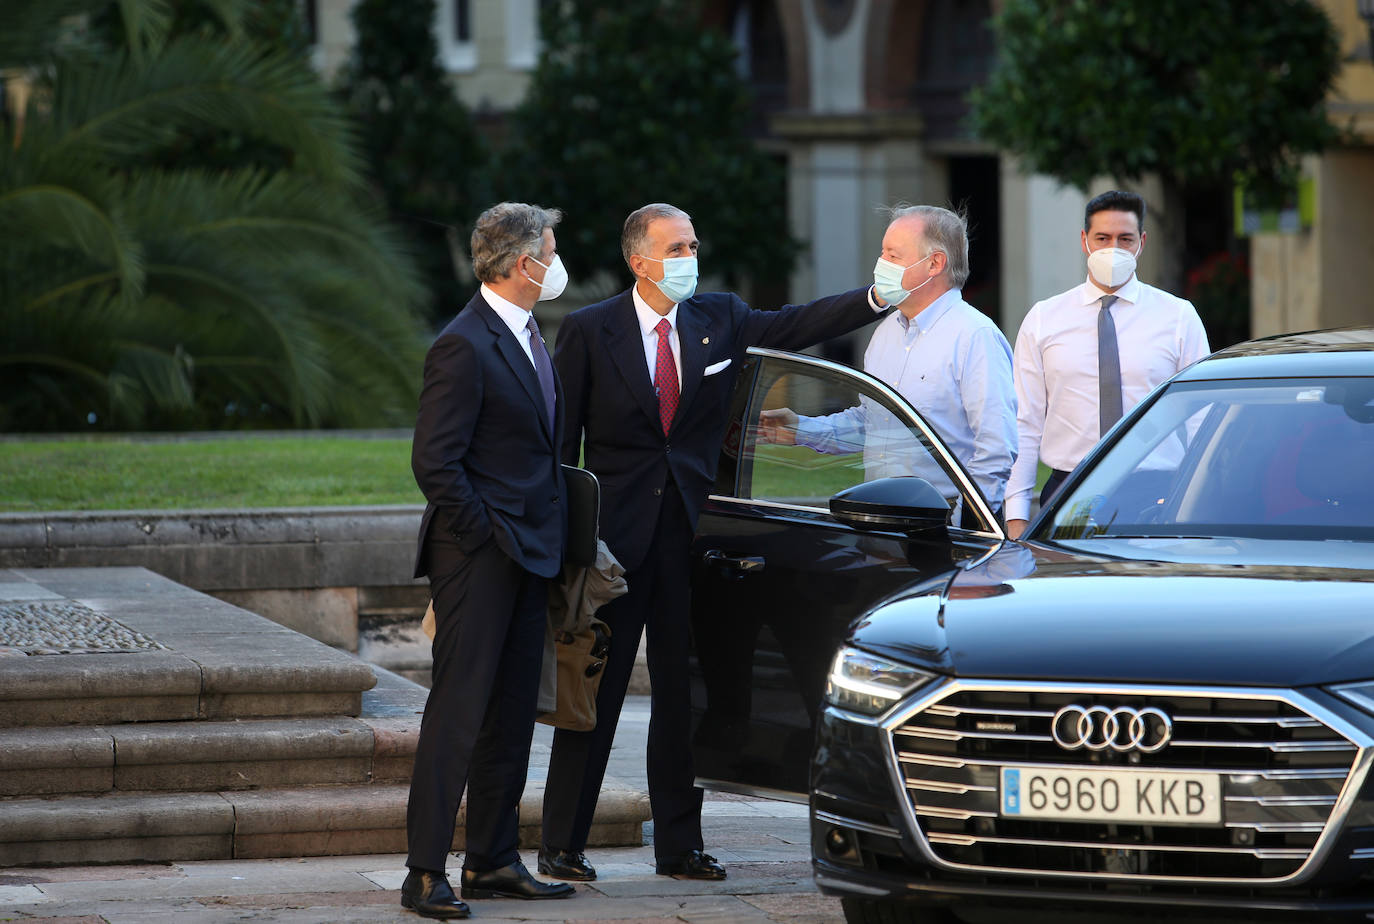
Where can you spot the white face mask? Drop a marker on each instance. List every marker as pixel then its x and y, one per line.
pixel 1111 266
pixel 888 276
pixel 555 280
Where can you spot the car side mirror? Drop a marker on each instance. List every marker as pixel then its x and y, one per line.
pixel 906 504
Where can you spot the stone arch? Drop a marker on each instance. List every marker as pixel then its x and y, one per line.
pixel 777 43
pixel 926 55
pixel 893 27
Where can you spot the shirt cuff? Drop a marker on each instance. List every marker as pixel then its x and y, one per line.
pixel 872 303
pixel 1018 508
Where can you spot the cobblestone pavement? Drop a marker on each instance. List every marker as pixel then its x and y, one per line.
pixel 37 621
pixel 762 843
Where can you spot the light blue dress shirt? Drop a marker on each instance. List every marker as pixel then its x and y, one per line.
pixel 952 363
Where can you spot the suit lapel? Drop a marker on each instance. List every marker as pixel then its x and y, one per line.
pixel 515 357
pixel 626 346
pixel 691 338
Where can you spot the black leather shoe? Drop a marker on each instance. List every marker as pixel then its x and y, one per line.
pixel 565 864
pixel 691 865
pixel 430 896
pixel 512 881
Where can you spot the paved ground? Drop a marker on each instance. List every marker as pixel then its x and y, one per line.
pixel 763 844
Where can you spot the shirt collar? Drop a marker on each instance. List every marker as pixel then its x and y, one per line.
pixel 648 317
pixel 926 318
pixel 1129 292
pixel 516 318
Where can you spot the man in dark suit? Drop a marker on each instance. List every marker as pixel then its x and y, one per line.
pixel 648 375
pixel 486 457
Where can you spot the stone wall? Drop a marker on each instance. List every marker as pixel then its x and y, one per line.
pixel 341 575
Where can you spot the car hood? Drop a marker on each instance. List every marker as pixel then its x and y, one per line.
pixel 1049 613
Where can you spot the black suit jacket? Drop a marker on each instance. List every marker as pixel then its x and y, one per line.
pixel 485 453
pixel 611 402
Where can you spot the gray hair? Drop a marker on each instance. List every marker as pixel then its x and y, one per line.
pixel 504 233
pixel 944 231
pixel 636 232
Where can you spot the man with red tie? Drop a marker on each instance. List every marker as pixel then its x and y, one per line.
pixel 647 376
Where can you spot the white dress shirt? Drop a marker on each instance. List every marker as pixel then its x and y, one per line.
pixel 1157 334
pixel 516 318
pixel 648 320
pixel 954 366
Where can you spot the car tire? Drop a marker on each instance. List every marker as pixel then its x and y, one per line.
pixel 870 911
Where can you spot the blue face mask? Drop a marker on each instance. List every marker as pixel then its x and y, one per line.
pixel 887 279
pixel 679 277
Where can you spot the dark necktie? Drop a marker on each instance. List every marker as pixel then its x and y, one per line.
pixel 542 366
pixel 1108 369
pixel 665 376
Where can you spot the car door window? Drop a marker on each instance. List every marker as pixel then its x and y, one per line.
pixel 812 431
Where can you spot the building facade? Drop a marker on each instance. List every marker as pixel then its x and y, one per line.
pixel 864 102
pixel 1321 275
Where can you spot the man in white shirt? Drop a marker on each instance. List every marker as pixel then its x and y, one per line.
pixel 1069 387
pixel 943 355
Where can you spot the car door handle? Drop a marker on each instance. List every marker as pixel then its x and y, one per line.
pixel 747 564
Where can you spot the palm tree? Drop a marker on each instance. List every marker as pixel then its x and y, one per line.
pixel 147 280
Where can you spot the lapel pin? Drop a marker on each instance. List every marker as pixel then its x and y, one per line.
pixel 705 340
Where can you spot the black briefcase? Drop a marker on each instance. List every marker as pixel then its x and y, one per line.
pixel 584 511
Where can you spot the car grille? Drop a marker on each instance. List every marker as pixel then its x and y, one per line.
pixel 1282 772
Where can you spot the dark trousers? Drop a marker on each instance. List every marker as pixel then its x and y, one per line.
pixel 1052 484
pixel 657 601
pixel 490 616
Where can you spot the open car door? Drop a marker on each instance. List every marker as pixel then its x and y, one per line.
pixel 777 578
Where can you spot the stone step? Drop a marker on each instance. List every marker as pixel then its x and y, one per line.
pixel 198 756
pixel 89 646
pixel 148 722
pixel 280 818
pixel 208 756
pixel 286 822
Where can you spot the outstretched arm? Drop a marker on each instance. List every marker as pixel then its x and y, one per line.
pixel 796 327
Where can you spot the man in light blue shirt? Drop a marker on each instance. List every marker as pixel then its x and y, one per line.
pixel 943 355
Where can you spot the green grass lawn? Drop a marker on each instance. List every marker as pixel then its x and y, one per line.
pixel 804 476
pixel 801 475
pixel 235 473
pixel 230 473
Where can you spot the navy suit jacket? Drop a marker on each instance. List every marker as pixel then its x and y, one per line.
pixel 612 407
pixel 485 453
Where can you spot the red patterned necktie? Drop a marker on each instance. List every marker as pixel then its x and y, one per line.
pixel 665 376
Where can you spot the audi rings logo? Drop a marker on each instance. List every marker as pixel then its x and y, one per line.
pixel 1122 729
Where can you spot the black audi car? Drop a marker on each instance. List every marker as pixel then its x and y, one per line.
pixel 1159 703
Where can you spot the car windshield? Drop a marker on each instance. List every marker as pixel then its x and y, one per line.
pixel 1292 459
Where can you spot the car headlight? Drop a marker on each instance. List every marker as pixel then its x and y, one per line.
pixel 1359 694
pixel 869 684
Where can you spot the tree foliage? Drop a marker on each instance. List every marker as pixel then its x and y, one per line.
pixel 423 152
pixel 1194 90
pixel 636 102
pixel 142 291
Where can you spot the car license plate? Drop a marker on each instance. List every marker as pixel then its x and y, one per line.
pixel 1127 795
